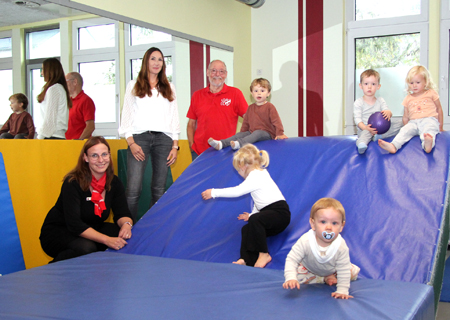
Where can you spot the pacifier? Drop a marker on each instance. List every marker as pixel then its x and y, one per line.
pixel 327 235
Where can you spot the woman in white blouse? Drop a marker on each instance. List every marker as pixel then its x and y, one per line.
pixel 54 101
pixel 151 125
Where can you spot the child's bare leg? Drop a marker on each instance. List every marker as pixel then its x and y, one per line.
pixel 330 280
pixel 263 259
pixel 427 142
pixel 240 261
pixel 389 147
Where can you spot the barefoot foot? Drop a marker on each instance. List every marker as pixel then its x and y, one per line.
pixel 428 142
pixel 389 147
pixel 263 259
pixel 240 261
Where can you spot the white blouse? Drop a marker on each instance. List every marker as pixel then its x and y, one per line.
pixel 54 113
pixel 154 113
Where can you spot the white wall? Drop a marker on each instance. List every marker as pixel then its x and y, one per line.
pixel 275 57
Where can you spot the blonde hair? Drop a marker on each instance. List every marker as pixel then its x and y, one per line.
pixel 325 203
pixel 262 83
pixel 369 73
pixel 421 70
pixel 252 157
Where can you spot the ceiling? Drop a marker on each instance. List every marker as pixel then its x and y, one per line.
pixel 40 10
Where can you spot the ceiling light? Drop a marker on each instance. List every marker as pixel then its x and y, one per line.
pixel 28 4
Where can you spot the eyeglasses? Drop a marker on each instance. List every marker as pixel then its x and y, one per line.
pixel 67 80
pixel 221 71
pixel 96 157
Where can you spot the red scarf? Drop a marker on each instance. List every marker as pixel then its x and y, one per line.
pixel 96 198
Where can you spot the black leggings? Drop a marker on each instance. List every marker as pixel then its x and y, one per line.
pixel 270 221
pixel 81 246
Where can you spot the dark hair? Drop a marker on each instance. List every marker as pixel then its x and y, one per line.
pixel 54 73
pixel 142 86
pixel 82 174
pixel 21 98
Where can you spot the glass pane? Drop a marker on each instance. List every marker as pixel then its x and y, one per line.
pixel 5 93
pixel 5 48
pixel 392 57
pixel 99 80
pixel 136 67
pixel 43 44
pixel 96 37
pixel 37 82
pixel 141 35
pixel 385 9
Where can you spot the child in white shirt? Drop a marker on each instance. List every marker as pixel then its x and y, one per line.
pixel 270 214
pixel 321 255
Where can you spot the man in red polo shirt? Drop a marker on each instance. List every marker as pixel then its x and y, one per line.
pixel 82 113
pixel 214 110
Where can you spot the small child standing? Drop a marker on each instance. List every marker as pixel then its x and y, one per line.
pixel 20 123
pixel 365 106
pixel 261 122
pixel 422 116
pixel 270 214
pixel 321 255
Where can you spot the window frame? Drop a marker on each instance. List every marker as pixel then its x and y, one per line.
pixel 138 51
pixel 378 28
pixel 109 129
pixel 444 70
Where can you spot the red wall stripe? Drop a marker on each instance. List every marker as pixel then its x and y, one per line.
pixel 314 69
pixel 300 68
pixel 208 60
pixel 196 65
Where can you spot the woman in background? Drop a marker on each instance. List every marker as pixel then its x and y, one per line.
pixel 54 101
pixel 151 125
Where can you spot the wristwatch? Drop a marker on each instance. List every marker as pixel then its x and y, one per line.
pixel 176 147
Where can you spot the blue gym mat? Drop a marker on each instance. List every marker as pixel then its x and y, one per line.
pixel 107 285
pixel 395 205
pixel 445 293
pixel 11 257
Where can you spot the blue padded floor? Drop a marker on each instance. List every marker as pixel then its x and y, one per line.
pixel 108 285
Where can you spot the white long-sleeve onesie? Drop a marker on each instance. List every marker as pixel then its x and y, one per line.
pixel 302 252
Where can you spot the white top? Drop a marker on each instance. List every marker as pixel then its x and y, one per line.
pixel 259 184
pixel 153 113
pixel 336 258
pixel 54 113
pixel 362 111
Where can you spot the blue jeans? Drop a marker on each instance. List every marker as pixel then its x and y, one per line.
pixel 157 146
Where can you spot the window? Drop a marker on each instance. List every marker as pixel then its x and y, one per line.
pixel 5 48
pixel 43 44
pixel 40 45
pixel 138 40
pixel 365 10
pixel 6 76
pixel 95 57
pixel 390 37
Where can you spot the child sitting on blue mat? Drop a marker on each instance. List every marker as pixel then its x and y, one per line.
pixel 321 255
pixel 422 116
pixel 261 121
pixel 365 106
pixel 270 214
